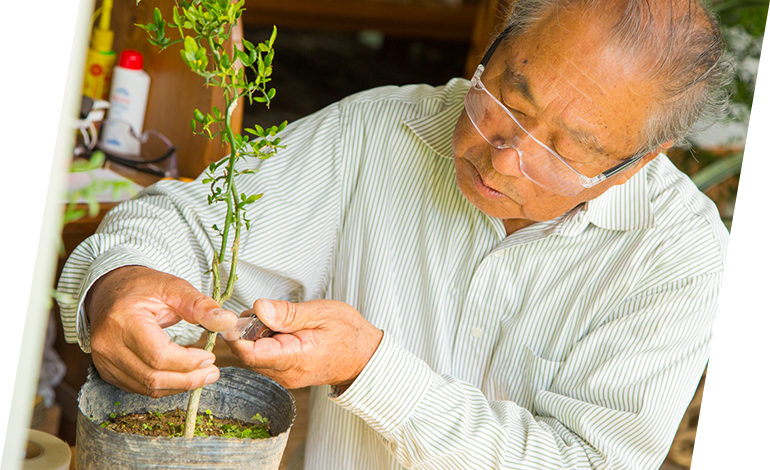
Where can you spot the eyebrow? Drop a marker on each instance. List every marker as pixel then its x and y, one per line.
pixel 520 83
pixel 586 139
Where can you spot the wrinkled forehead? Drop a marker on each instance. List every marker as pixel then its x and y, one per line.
pixel 568 70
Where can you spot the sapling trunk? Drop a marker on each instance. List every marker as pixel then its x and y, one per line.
pixel 209 23
pixel 233 211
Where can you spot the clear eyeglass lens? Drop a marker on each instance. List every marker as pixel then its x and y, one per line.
pixel 501 130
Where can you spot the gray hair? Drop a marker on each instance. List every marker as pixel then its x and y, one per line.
pixel 680 46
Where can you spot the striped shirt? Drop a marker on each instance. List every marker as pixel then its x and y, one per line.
pixel 572 343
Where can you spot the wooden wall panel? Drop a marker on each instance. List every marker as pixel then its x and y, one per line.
pixel 174 91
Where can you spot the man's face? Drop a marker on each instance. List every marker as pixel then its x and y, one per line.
pixel 571 94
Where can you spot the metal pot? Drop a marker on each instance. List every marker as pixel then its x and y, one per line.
pixel 239 393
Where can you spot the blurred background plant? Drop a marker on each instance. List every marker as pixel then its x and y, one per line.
pixel 734 170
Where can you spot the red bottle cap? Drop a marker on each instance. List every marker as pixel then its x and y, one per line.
pixel 131 60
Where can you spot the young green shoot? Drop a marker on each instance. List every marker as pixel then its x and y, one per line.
pixel 204 27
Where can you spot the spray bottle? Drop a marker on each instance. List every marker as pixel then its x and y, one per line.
pixel 101 58
pixel 128 103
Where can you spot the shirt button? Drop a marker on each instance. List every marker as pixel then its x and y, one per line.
pixel 477 332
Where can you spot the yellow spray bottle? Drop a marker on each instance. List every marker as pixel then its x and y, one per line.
pixel 101 58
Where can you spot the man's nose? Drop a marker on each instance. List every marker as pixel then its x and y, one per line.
pixel 507 161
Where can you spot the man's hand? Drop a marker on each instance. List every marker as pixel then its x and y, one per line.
pixel 128 308
pixel 320 342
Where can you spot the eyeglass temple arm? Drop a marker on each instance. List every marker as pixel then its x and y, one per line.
pixel 622 166
pixel 494 45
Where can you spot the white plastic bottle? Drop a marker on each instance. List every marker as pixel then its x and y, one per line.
pixel 128 102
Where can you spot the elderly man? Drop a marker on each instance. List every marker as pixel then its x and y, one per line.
pixel 504 273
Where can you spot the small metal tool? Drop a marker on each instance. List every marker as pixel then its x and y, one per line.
pixel 249 328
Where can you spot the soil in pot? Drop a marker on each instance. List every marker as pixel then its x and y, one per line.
pixel 171 424
pixel 238 394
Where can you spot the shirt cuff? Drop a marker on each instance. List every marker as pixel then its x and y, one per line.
pixel 110 261
pixel 389 388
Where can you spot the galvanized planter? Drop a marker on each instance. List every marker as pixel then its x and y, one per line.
pixel 239 393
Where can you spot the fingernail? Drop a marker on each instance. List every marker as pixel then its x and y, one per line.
pixel 211 378
pixel 206 363
pixel 267 310
pixel 219 311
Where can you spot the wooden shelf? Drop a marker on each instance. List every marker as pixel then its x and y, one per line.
pixel 413 18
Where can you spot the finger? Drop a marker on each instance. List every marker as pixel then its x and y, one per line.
pixel 135 376
pixel 279 352
pixel 157 351
pixel 289 317
pixel 120 379
pixel 195 307
pixel 286 379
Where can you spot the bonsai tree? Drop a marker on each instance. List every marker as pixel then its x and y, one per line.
pixel 204 27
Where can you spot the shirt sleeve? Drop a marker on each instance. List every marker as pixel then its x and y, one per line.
pixel 286 253
pixel 614 403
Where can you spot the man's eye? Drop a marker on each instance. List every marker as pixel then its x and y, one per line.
pixel 513 109
pixel 567 154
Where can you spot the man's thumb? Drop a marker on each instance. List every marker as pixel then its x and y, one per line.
pixel 279 315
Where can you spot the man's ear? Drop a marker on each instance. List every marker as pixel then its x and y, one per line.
pixel 643 161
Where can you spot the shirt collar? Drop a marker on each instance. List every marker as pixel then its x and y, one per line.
pixel 622 207
pixel 436 128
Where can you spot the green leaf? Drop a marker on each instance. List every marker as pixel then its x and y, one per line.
pixel 725 168
pixel 271 93
pixel 192 124
pixel 157 16
pixel 254 198
pixel 248 45
pixel 272 36
pixel 716 371
pixel 724 6
pixel 71 215
pixel 96 160
pixel 244 58
pixel 224 62
pixel 190 44
pixel 199 116
pixel 752 303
